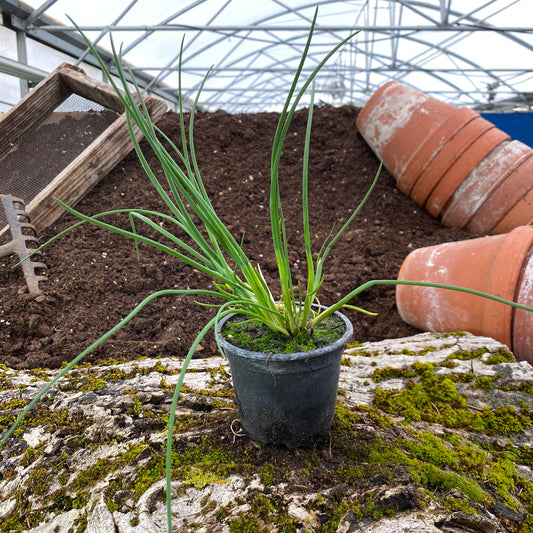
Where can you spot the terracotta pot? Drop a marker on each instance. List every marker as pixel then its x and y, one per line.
pixel 461 168
pixel 432 146
pixel 494 182
pixel 450 160
pixel 521 213
pixel 497 265
pixel 454 163
pixel 523 321
pixel 396 119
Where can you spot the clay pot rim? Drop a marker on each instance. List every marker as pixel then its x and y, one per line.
pixel 451 152
pixel 506 224
pixel 432 146
pixel 504 278
pixel 460 169
pixel 499 194
pixel 457 213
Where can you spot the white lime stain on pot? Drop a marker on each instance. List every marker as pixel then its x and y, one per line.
pixel 391 114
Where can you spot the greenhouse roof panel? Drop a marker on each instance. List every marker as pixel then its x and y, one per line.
pixel 477 53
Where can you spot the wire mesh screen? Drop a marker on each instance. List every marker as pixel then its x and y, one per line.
pixel 75 102
pixel 40 155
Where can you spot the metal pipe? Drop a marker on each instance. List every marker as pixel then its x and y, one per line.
pixel 318 29
pixel 20 70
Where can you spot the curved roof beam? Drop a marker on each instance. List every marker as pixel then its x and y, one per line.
pixel 440 48
pixel 283 82
pixel 164 22
pixel 481 24
pixel 160 77
pixel 469 16
pixel 295 58
pixel 104 32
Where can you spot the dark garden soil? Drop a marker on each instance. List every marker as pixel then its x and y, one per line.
pixel 95 278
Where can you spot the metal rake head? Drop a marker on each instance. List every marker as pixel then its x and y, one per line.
pixel 23 233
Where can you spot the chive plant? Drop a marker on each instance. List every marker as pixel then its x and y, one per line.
pixel 209 246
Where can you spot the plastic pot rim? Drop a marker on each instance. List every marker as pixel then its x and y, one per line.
pixel 293 356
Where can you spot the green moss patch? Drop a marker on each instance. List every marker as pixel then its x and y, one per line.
pixel 435 399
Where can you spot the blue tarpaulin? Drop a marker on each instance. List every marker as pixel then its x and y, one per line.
pixel 519 126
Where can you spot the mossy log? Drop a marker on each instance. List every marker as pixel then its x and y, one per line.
pixel 432 433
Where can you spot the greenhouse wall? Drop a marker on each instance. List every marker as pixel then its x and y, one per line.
pixel 39 56
pixel 9 85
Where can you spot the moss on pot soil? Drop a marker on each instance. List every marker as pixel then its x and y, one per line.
pixel 254 336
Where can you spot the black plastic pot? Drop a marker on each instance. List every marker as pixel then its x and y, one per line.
pixel 286 399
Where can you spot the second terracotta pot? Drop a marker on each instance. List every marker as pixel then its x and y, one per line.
pixel 504 175
pixel 500 265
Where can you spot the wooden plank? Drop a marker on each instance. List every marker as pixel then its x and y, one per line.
pixel 92 89
pixel 31 110
pixel 87 169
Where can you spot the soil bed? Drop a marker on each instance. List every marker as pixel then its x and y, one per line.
pixel 95 278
